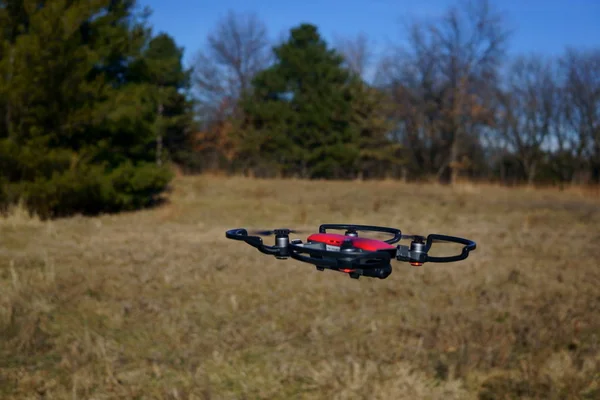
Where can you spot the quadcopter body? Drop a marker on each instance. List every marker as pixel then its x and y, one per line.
pixel 351 254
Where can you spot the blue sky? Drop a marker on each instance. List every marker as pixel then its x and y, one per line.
pixel 541 26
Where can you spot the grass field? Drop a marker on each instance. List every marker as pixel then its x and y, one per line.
pixel 159 304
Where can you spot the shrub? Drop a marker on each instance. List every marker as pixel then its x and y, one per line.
pixel 55 184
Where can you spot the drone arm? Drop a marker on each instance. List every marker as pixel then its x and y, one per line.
pixel 254 241
pixel 404 253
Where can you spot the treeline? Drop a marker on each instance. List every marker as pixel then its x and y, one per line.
pixel 450 102
pixel 95 107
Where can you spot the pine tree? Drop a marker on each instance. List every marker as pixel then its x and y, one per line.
pixel 299 114
pixel 162 69
pixel 379 155
pixel 78 125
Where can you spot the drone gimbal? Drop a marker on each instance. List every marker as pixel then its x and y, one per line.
pixel 350 253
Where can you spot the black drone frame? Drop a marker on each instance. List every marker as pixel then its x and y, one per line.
pixel 355 262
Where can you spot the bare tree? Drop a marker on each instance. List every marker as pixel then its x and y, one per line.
pixel 236 50
pixel 472 42
pixel 410 76
pixel 234 53
pixel 449 70
pixel 357 51
pixel 528 109
pixel 582 111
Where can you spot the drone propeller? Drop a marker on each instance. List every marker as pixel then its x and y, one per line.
pixel 281 231
pixel 417 238
pixel 423 239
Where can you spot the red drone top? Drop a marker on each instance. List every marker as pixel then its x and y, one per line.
pixel 334 239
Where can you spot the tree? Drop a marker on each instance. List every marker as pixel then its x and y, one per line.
pixel 472 42
pixel 358 53
pixel 582 106
pixel 236 50
pixel 77 132
pixel 444 81
pixel 411 78
pixel 529 106
pixel 379 154
pixel 161 66
pixel 299 113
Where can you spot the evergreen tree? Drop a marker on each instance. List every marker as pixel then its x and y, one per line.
pixel 379 155
pixel 299 114
pixel 162 68
pixel 78 119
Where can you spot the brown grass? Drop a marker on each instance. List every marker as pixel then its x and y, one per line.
pixel 159 304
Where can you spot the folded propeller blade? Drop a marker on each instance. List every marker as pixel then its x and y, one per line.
pixel 284 231
pixel 423 239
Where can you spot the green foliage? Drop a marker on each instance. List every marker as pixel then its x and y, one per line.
pixel 80 84
pixel 378 155
pixel 57 183
pixel 299 114
pixel 161 64
pixel 308 115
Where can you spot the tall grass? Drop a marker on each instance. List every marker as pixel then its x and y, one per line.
pixel 159 304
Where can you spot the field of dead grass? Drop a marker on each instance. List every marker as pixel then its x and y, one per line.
pixel 159 304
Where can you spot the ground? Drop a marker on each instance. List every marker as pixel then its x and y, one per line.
pixel 159 304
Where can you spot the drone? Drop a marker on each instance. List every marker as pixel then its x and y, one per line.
pixel 349 253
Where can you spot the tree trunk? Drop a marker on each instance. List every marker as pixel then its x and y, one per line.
pixel 8 82
pixel 443 174
pixel 595 164
pixel 531 172
pixel 454 163
pixel 159 137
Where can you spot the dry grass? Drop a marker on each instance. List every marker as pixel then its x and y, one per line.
pixel 158 304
